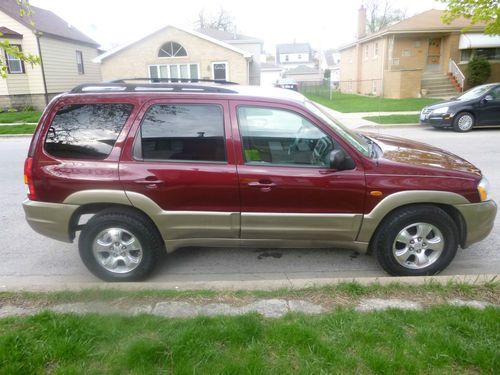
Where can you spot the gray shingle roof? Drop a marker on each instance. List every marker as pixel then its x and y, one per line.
pixel 46 22
pixel 303 69
pixel 293 48
pixel 227 36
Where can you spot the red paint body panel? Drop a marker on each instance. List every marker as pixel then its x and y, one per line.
pixel 224 187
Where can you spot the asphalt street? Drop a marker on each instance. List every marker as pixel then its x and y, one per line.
pixel 28 257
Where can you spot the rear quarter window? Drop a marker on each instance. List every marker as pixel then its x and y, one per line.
pixel 86 131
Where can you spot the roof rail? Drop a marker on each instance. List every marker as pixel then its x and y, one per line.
pixel 149 87
pixel 173 80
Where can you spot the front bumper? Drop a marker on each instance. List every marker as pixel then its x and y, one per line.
pixel 50 219
pixel 443 121
pixel 479 219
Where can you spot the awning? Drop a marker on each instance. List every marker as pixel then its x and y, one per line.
pixel 478 41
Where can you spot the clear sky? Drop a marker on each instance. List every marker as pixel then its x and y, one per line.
pixel 323 23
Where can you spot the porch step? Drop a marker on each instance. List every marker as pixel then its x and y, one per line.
pixel 438 85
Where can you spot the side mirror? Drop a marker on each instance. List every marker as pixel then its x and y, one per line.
pixel 487 98
pixel 337 159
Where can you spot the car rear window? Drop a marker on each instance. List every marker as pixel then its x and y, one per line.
pixel 185 132
pixel 86 131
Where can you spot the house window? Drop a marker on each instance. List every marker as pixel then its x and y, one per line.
pixel 395 61
pixel 173 71
pixel 14 65
pixel 172 49
pixel 79 62
pixel 366 52
pixel 286 58
pixel 300 56
pixel 374 87
pixel 375 53
pixel 406 52
pixel 488 53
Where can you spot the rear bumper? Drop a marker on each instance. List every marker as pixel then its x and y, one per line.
pixel 479 219
pixel 50 219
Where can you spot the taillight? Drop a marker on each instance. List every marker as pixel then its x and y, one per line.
pixel 28 178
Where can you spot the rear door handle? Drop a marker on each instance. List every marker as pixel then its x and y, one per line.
pixel 258 184
pixel 150 180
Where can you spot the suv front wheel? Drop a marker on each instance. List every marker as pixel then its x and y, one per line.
pixel 118 245
pixel 416 241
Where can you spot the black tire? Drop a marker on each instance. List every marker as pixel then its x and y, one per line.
pixel 149 242
pixel 458 127
pixel 385 245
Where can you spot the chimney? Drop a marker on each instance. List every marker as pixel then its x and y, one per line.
pixel 361 22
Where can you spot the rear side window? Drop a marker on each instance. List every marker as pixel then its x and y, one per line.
pixel 86 131
pixel 190 132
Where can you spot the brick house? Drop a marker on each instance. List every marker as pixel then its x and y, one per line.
pixel 417 56
pixel 175 52
pixel 66 57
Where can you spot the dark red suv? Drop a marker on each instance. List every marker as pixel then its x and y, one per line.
pixel 160 166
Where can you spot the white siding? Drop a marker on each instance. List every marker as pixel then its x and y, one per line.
pixel 59 63
pixel 31 81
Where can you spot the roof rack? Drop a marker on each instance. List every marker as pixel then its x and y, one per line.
pixel 155 85
pixel 173 80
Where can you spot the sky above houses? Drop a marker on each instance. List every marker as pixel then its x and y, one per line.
pixel 323 23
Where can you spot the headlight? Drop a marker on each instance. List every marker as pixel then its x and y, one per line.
pixel 484 189
pixel 440 111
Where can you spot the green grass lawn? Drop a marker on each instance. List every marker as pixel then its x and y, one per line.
pixel 358 103
pixel 12 117
pixel 17 129
pixel 439 340
pixel 394 119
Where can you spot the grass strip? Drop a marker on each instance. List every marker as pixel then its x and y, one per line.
pixel 17 129
pixel 439 340
pixel 331 294
pixel 394 119
pixel 12 117
pixel 349 103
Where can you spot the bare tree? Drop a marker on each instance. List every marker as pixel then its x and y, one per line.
pixel 381 14
pixel 221 20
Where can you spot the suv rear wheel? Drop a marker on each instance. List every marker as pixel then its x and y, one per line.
pixel 416 241
pixel 118 245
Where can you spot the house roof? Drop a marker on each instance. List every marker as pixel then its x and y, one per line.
pixel 330 61
pixel 8 33
pixel 270 67
pixel 229 37
pixel 45 22
pixel 426 22
pixel 113 51
pixel 302 69
pixel 293 48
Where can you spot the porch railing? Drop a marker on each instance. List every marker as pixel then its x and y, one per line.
pixel 455 71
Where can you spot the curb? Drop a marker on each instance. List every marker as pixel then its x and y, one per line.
pixel 389 126
pixel 16 135
pixel 265 285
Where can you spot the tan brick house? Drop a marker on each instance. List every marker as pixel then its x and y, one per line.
pixel 175 52
pixel 417 56
pixel 66 57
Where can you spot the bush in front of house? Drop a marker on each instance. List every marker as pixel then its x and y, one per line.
pixel 478 70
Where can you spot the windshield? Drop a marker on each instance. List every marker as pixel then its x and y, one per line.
pixel 475 92
pixel 360 143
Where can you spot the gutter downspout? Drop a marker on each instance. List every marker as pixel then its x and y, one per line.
pixel 46 94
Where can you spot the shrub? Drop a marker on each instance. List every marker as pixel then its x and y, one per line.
pixel 478 70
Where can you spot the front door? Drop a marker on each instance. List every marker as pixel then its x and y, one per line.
pixel 287 190
pixel 219 71
pixel 180 170
pixel 434 54
pixel 489 110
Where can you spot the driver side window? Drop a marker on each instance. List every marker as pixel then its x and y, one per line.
pixel 276 136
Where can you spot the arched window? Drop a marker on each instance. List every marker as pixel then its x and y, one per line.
pixel 172 49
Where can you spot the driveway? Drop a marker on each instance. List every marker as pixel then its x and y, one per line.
pixel 29 258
